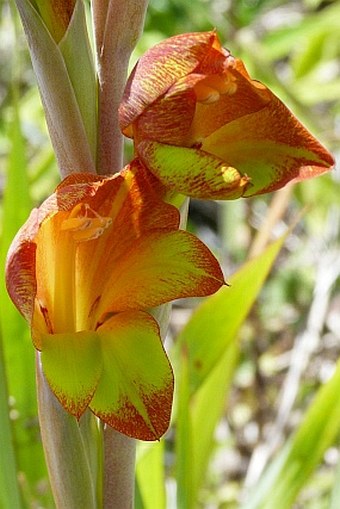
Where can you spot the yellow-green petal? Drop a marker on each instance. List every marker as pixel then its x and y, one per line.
pixel 162 266
pixel 72 364
pixel 193 172
pixel 134 394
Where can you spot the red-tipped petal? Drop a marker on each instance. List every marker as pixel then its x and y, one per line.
pixel 162 266
pixel 72 363
pixel 193 172
pixel 160 68
pixel 134 394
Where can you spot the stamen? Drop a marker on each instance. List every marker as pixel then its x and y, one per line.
pixel 84 226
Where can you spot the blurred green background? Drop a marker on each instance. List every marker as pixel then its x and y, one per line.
pixel 270 431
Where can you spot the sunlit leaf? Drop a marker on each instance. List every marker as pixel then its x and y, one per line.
pixel 289 472
pixel 216 321
pixel 150 475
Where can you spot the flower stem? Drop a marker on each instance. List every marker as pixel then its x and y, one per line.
pixel 119 472
pixel 71 450
pixel 118 26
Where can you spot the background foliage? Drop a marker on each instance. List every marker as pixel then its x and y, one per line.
pixel 257 416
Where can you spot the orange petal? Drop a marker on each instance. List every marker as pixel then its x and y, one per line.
pixel 162 66
pixel 271 146
pixel 161 266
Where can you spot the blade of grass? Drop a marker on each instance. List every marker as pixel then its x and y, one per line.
pixel 9 490
pixel 150 476
pixel 209 351
pixel 216 321
pixel 211 396
pixel 286 476
pixel 18 351
pixel 185 493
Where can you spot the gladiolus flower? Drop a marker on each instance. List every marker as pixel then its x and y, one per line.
pixel 84 271
pixel 204 128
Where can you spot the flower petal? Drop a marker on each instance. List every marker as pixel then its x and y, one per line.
pixel 169 118
pixel 72 364
pixel 160 68
pixel 249 96
pixel 131 200
pixel 192 171
pixel 162 266
pixel 271 146
pixel 136 210
pixel 20 267
pixel 134 394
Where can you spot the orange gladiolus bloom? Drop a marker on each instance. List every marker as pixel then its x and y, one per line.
pixel 84 271
pixel 204 128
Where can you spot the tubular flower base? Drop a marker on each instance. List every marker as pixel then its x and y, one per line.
pixel 83 271
pixel 204 128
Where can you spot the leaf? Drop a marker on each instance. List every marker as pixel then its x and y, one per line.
pixel 212 395
pixel 184 439
pixel 150 475
pixel 9 490
pixel 206 355
pixel 216 321
pixel 63 116
pixel 280 43
pixel 288 473
pixel 18 350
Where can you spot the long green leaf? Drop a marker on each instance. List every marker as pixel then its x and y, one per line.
pixel 9 490
pixel 206 357
pixel 184 436
pixel 151 476
pixel 212 395
pixel 286 476
pixel 215 323
pixel 18 350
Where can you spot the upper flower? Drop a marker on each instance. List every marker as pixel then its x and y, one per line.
pixel 206 129
pixel 84 271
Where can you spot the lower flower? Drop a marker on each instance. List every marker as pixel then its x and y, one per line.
pixel 84 271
